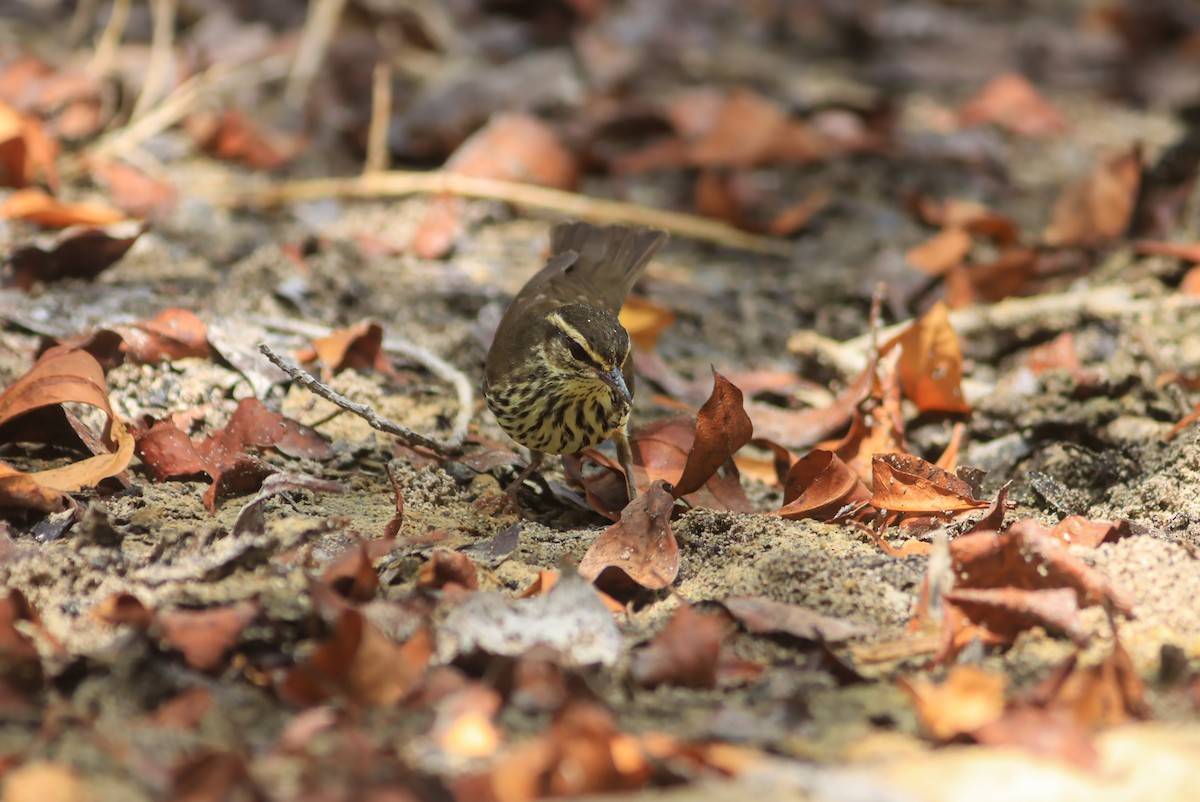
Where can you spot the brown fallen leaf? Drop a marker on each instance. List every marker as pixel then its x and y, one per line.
pixel 172 334
pixel 1097 208
pixel 1011 102
pixel 1077 530
pixel 966 700
pixel 1011 272
pixel 76 252
pixel 27 153
pixel 43 781
pixel 223 455
pixel 639 548
pixel 360 664
pixel 581 753
pixel 762 615
pixel 684 653
pixel 59 376
pixel 511 147
pixel 907 483
pixel 931 363
pixel 358 347
pixel 135 192
pixel 645 321
pixel 448 568
pixel 819 485
pixel 352 575
pixel 722 428
pixel 32 205
pixel 21 673
pixel 234 136
pixel 205 637
pixel 1105 694
pixel 942 251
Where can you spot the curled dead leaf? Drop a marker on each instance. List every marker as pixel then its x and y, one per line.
pixel 639 548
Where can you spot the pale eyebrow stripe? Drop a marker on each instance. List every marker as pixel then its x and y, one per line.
pixel 572 332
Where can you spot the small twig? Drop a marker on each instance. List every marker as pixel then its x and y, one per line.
pixel 464 390
pixel 397 183
pixel 110 39
pixel 81 22
pixel 178 103
pixel 381 117
pixel 361 410
pixel 319 26
pixel 161 40
pixel 1058 311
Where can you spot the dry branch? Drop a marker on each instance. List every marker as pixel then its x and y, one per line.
pixel 397 183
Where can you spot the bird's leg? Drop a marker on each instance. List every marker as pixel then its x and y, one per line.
pixel 625 457
pixel 535 462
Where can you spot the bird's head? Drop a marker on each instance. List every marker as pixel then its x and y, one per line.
pixel 588 347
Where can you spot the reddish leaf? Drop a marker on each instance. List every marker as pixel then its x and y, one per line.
pixel 358 347
pixel 205 637
pixel 684 653
pixel 35 206
pixel 78 252
pixel 512 147
pixel 235 137
pixel 448 568
pixel 352 575
pixel 761 615
pixel 907 483
pixel 172 334
pixel 722 427
pixel 819 485
pixel 169 453
pixel 645 321
pixel 638 548
pixel 1010 101
pixel 26 152
pixel 1008 274
pixel 125 608
pixel 1097 209
pixel 63 375
pixel 931 363
pixel 1005 612
pixel 138 194
pixel 361 664
pixel 942 251
pixel 966 700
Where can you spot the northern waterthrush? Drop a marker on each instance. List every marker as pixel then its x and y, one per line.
pixel 559 375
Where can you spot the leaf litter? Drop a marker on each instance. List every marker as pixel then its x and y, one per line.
pixel 377 636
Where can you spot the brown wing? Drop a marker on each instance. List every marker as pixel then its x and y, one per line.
pixel 590 264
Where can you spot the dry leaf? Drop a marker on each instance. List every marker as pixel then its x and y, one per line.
pixel 645 321
pixel 931 363
pixel 819 485
pixel 1097 208
pixel 942 251
pixel 205 637
pixel 32 205
pixel 638 548
pixel 907 483
pixel 77 252
pixel 684 653
pixel 966 700
pixel 1011 102
pixel 61 375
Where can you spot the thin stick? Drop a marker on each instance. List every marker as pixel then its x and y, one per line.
pixel 463 388
pixel 397 183
pixel 81 22
pixel 361 410
pixel 179 102
pixel 381 118
pixel 1059 311
pixel 161 40
pixel 110 39
pixel 322 20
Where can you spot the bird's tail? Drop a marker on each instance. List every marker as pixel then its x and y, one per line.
pixel 613 254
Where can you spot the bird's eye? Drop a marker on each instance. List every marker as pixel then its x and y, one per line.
pixel 577 351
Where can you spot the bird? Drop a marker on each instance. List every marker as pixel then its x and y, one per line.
pixel 558 376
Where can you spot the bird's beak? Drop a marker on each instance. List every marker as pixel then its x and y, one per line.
pixel 616 380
